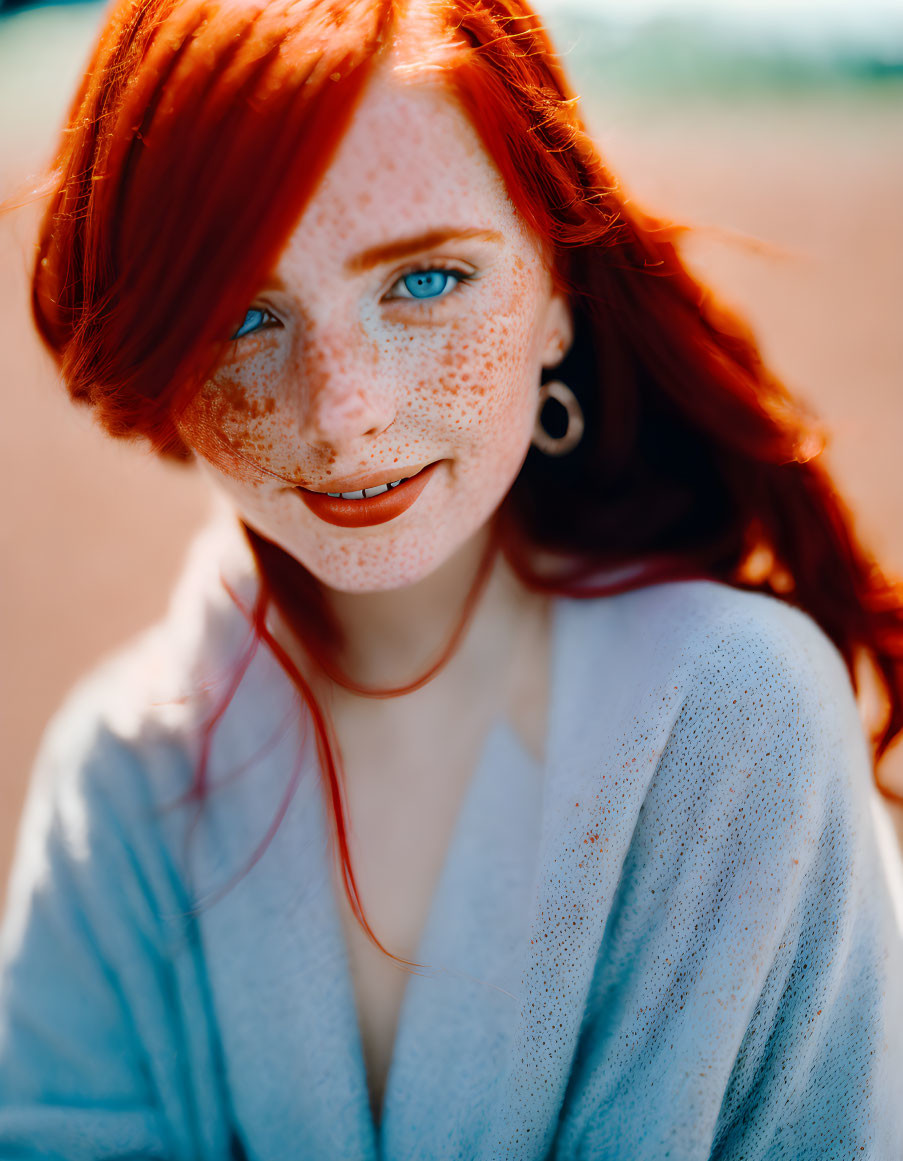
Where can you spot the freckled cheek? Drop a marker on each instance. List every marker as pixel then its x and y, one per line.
pixel 490 373
pixel 230 422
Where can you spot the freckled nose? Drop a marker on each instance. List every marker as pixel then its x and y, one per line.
pixel 345 393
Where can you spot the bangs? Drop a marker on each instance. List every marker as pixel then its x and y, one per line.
pixel 213 125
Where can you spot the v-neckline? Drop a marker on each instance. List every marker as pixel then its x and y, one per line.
pixel 309 1094
pixel 502 739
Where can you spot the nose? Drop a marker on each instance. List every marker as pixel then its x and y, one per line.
pixel 346 391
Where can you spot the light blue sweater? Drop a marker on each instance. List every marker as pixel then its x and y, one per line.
pixel 675 940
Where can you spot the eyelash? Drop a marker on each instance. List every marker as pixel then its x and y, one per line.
pixel 462 278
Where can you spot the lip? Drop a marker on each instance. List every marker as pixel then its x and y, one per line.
pixel 373 509
pixel 373 480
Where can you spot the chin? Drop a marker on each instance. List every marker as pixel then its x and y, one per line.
pixel 370 569
pixel 384 567
pixel 363 585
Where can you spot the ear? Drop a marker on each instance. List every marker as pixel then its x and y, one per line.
pixel 558 329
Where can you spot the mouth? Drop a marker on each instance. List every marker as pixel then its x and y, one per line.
pixel 373 501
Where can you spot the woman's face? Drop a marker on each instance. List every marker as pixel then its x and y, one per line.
pixel 404 328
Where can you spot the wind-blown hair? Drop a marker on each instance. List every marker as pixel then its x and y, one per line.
pixel 200 131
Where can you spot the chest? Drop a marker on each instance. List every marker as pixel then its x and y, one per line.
pixel 405 820
pixel 408 767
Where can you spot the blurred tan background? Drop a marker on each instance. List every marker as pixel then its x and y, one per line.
pixel 791 167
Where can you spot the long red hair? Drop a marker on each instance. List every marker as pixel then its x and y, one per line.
pixel 199 133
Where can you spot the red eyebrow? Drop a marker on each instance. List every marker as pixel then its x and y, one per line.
pixel 272 282
pixel 405 247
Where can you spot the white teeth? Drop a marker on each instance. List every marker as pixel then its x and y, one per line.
pixel 365 493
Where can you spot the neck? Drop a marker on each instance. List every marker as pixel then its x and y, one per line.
pixel 394 637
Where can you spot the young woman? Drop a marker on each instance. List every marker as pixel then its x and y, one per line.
pixel 475 800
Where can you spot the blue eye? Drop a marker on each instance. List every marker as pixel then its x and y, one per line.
pixel 255 319
pixel 429 283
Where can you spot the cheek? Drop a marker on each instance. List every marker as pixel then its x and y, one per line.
pixel 487 373
pixel 233 423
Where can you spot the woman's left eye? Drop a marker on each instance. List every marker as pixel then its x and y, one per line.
pixel 425 284
pixel 256 319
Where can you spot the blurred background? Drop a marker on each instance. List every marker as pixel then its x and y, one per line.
pixel 775 129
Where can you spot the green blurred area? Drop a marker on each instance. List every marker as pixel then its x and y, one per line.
pixel 693 56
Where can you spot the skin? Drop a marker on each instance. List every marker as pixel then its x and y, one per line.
pixel 349 377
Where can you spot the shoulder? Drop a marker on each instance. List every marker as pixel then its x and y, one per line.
pixel 767 742
pixel 737 746
pixel 748 656
pixel 115 714
pixel 126 730
pixel 752 658
pixel 710 635
pixel 725 623
pixel 100 821
pixel 722 697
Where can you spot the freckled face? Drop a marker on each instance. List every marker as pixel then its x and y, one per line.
pixel 406 324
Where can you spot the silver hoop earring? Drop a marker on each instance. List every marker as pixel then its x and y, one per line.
pixel 560 445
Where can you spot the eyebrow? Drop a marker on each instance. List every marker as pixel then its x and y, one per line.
pixel 405 247
pixel 272 282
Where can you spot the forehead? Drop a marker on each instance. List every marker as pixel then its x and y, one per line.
pixel 410 161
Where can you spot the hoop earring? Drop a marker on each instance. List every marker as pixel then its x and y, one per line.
pixel 552 445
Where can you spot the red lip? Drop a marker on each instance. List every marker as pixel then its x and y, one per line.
pixel 371 510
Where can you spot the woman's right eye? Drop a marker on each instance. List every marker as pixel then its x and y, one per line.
pixel 256 319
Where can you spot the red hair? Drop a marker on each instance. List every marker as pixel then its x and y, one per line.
pixel 199 133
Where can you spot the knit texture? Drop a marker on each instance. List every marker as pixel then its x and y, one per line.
pixel 675 938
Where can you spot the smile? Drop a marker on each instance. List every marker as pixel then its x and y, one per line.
pixel 366 493
pixel 360 507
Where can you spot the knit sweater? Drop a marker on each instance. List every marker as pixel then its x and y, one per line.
pixel 674 938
